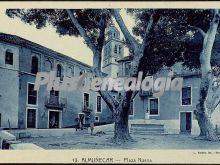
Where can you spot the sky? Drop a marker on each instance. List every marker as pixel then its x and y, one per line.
pixel 70 46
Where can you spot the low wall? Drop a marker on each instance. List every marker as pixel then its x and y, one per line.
pixel 105 128
pixel 170 126
pixel 26 133
pixel 24 146
pixel 5 136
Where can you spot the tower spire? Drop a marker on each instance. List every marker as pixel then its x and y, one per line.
pixel 113 51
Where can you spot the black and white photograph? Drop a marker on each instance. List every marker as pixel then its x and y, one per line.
pixel 112 78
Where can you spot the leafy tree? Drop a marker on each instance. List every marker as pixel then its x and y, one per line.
pixel 163 42
pixel 209 91
pixel 171 39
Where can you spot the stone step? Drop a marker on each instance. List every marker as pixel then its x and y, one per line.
pixel 147 125
pixel 148 133
pixel 147 128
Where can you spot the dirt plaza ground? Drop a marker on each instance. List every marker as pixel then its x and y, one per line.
pixel 103 141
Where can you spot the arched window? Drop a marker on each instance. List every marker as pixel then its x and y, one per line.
pixel 9 57
pixel 120 48
pixel 115 50
pixel 59 71
pixel 34 65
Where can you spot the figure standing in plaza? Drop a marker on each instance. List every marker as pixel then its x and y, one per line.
pixel 92 121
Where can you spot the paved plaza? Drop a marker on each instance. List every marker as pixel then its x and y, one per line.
pixel 103 141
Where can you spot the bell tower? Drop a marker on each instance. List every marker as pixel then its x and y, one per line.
pixel 112 52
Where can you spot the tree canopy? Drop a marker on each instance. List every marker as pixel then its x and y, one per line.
pixel 88 18
pixel 177 36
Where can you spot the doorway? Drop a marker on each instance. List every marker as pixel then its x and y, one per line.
pixel 31 118
pixel 54 119
pixel 185 122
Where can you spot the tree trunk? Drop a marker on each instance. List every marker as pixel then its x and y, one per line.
pixel 121 133
pixel 207 130
pixel 203 113
pixel 121 110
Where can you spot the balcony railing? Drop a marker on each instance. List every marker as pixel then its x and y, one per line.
pixel 55 102
pixel 146 93
pixel 87 108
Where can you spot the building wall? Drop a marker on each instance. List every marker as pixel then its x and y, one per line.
pixel 19 75
pixel 170 101
pixel 111 70
pixel 139 107
pixel 9 87
pixel 169 106
pixel 74 98
pixel 23 104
